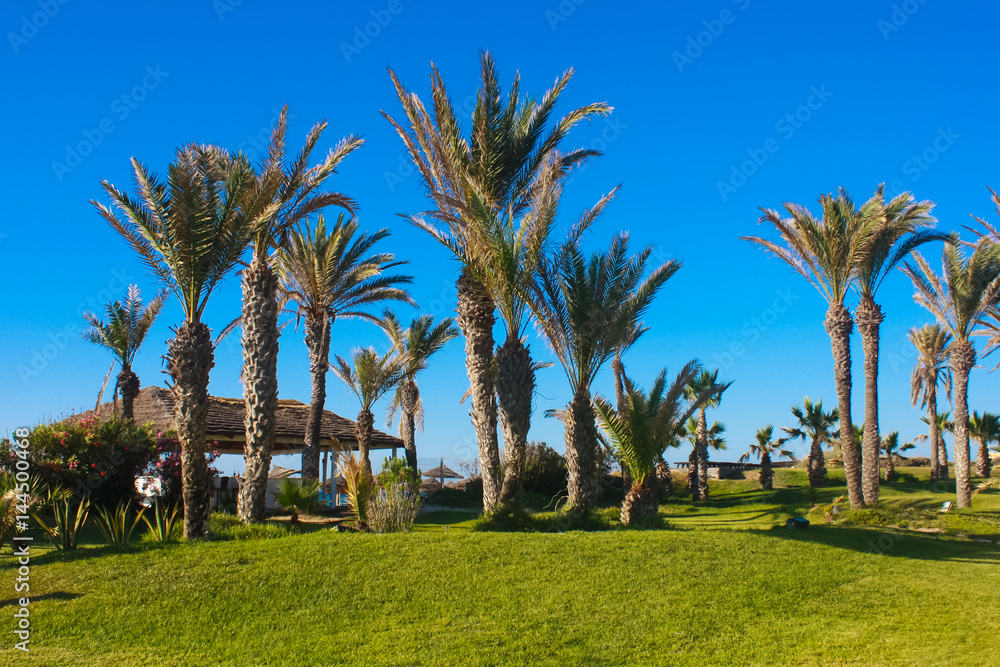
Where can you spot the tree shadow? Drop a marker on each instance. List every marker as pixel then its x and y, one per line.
pixel 58 595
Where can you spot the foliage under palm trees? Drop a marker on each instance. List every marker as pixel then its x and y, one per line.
pixel 892 449
pixel 932 368
pixel 986 429
pixel 123 334
pixel 765 448
pixel 816 426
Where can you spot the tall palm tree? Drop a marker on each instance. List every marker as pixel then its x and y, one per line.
pixel 370 376
pixel 414 346
pixel 642 431
pixel 816 426
pixel 932 368
pixel 329 274
pixel 123 334
pixel 585 307
pixel 960 299
pixel 766 447
pixel 826 253
pixel 294 189
pixel 191 230
pixel 941 425
pixel 902 230
pixel 699 473
pixel 481 187
pixel 986 429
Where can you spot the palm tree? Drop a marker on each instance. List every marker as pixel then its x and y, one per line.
pixel 702 437
pixel 481 186
pixel 986 429
pixel 826 253
pixel 123 334
pixel 414 346
pixel 941 425
pixel 370 376
pixel 332 273
pixel 642 431
pixel 815 425
pixel 892 449
pixel 903 229
pixel 294 190
pixel 766 447
pixel 933 346
pixel 960 299
pixel 699 459
pixel 585 308
pixel 191 230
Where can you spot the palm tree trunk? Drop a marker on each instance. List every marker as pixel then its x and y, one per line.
pixel 702 455
pixel 318 344
pixel 408 408
pixel 664 480
pixel 618 369
pixel 869 318
pixel 260 385
pixel 943 472
pixel 766 473
pixel 963 358
pixel 476 318
pixel 515 389
pixel 840 325
pixel 363 431
pixel 983 464
pixel 128 385
pixel 641 501
pixel 581 452
pixel 932 432
pixel 693 486
pixel 190 358
pixel 817 465
pixel 890 468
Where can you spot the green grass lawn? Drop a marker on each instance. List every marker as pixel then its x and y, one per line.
pixel 721 586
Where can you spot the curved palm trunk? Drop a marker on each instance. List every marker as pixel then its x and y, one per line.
pixel 984 465
pixel 318 343
pixel 260 385
pixel 128 385
pixel 932 432
pixel 942 456
pixel 363 431
pixel 581 452
pixel 641 500
pixel 817 465
pixel 839 325
pixel 190 358
pixel 963 358
pixel 476 318
pixel 702 455
pixel 515 389
pixel 869 318
pixel 766 473
pixel 408 429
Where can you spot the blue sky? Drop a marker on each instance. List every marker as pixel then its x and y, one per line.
pixel 720 108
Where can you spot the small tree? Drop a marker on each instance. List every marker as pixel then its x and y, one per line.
pixel 297 496
pixel 370 377
pixel 817 426
pixel 396 498
pixel 766 447
pixel 892 449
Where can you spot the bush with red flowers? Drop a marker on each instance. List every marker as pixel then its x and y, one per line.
pixel 166 465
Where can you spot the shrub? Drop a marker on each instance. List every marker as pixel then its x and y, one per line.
pixel 396 499
pixel 544 470
pixel 228 527
pixel 166 464
pixel 297 496
pixel 17 499
pixel 359 488
pixel 455 497
pixel 510 518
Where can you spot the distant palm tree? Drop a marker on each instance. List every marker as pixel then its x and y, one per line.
pixel 123 334
pixel 482 186
pixel 826 252
pixel 766 447
pixel 933 345
pixel 940 425
pixel 704 381
pixel 642 431
pixel 414 346
pixel 817 426
pixel 960 299
pixel 370 376
pixel 585 307
pixel 902 230
pixel 329 274
pixel 892 449
pixel 986 429
pixel 191 231
pixel 702 438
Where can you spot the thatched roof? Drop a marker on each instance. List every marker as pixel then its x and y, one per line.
pixel 442 471
pixel 225 423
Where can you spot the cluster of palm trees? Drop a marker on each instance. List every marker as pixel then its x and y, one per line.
pixel 851 246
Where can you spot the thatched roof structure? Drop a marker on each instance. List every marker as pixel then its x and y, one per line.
pixel 442 471
pixel 225 431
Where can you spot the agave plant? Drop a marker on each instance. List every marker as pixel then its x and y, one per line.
pixel 115 524
pixel 161 528
pixel 65 531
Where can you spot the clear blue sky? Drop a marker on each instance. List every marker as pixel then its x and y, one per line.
pixel 821 94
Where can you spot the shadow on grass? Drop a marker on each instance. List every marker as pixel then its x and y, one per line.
pixel 58 595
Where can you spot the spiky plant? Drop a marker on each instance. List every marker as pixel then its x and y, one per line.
pixel 698 462
pixel 765 448
pixel 413 347
pixel 986 429
pixel 903 229
pixel 123 334
pixel 892 449
pixel 826 251
pixel 191 230
pixel 932 368
pixel 330 274
pixel 370 376
pixel 816 426
pixel 960 298
pixel 482 188
pixel 297 496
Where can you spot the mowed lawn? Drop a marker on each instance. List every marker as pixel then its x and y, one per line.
pixel 703 592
